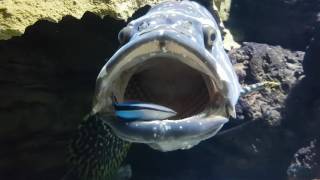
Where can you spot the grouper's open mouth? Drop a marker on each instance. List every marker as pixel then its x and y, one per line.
pixel 168 82
pixel 174 72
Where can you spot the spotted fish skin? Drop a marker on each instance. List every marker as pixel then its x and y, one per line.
pixel 95 153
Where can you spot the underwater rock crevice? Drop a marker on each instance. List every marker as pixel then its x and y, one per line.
pixel 289 23
pixel 302 117
pixel 47 78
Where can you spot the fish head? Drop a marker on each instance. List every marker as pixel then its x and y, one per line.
pixel 172 56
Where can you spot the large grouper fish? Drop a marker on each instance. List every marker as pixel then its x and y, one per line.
pixel 173 58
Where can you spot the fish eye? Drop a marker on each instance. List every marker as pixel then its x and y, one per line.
pixel 213 37
pixel 124 35
pixel 209 36
pixel 143 26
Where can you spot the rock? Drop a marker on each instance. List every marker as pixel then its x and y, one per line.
pixel 302 117
pixel 311 62
pixel 289 23
pixel 223 7
pixel 48 76
pixel 307 90
pixel 228 42
pixel 305 164
pixel 261 62
pixel 16 15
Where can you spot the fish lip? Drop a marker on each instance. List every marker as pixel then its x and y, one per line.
pixel 164 35
pixel 144 132
pixel 188 131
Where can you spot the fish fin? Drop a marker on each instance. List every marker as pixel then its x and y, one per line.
pixel 123 173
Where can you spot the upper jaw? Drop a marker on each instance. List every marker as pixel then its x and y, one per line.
pixel 140 49
pixel 164 135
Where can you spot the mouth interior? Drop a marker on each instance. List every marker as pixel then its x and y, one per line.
pixel 168 82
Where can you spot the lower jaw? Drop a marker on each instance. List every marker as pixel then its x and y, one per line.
pixel 168 135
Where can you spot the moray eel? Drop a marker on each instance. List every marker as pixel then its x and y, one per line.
pixel 172 56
